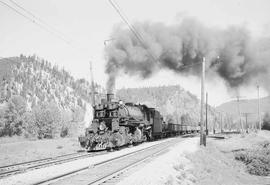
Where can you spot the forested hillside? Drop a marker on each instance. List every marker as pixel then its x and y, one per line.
pixel 174 102
pixel 38 99
pixel 41 100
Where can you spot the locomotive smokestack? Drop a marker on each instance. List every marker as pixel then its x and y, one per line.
pixel 109 97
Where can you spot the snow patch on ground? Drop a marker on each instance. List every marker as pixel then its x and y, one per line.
pixel 35 176
pixel 170 168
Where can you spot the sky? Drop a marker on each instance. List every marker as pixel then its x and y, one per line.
pixel 86 24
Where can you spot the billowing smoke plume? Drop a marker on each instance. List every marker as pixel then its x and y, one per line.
pixel 230 53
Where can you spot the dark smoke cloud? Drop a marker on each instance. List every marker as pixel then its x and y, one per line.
pixel 242 59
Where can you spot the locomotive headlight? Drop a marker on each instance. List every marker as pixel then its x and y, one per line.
pixel 102 126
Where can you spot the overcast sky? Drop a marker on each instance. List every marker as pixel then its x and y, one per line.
pixel 87 23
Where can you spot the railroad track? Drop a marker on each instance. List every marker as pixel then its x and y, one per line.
pixel 35 164
pixel 110 170
pixel 116 176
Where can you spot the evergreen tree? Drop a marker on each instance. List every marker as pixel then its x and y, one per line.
pixel 13 116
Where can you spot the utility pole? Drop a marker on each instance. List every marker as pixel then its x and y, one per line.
pixel 221 129
pixel 239 113
pixel 229 122
pixel 246 114
pixel 214 126
pixel 259 111
pixel 92 86
pixel 202 134
pixel 177 106
pixel 206 123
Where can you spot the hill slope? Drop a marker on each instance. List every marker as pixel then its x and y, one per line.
pixel 172 101
pixel 37 81
pixel 246 106
pixel 36 96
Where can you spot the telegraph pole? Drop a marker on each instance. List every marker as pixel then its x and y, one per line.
pixel 221 120
pixel 214 126
pixel 206 123
pixel 239 113
pixel 202 134
pixel 259 111
pixel 246 115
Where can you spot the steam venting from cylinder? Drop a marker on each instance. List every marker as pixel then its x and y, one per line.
pixel 230 53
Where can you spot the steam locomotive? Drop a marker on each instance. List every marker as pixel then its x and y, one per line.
pixel 116 124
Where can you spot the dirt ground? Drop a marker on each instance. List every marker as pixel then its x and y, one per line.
pixel 215 164
pixel 15 150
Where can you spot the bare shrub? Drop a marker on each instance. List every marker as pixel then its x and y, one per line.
pixel 30 129
pixel 257 160
pixel 66 121
pixel 48 120
pixel 11 117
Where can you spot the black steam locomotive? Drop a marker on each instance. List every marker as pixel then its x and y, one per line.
pixel 117 124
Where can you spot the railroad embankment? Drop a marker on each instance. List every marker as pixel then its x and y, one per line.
pixel 215 164
pixel 226 161
pixel 172 167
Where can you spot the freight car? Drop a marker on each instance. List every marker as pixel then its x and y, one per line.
pixel 179 129
pixel 117 124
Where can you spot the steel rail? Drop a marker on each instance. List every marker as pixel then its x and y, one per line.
pixel 22 167
pixel 33 161
pixel 46 181
pixel 105 178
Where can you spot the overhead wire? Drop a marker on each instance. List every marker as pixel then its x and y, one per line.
pixel 34 22
pixel 132 28
pixel 40 20
pixel 20 10
pixel 139 36
pixel 41 23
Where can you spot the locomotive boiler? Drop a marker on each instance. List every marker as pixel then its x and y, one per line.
pixel 117 123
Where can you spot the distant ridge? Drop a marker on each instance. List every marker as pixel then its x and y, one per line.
pixel 246 106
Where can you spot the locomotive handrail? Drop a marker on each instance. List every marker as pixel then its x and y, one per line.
pixel 126 109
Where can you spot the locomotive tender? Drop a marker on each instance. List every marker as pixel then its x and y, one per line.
pixel 117 124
